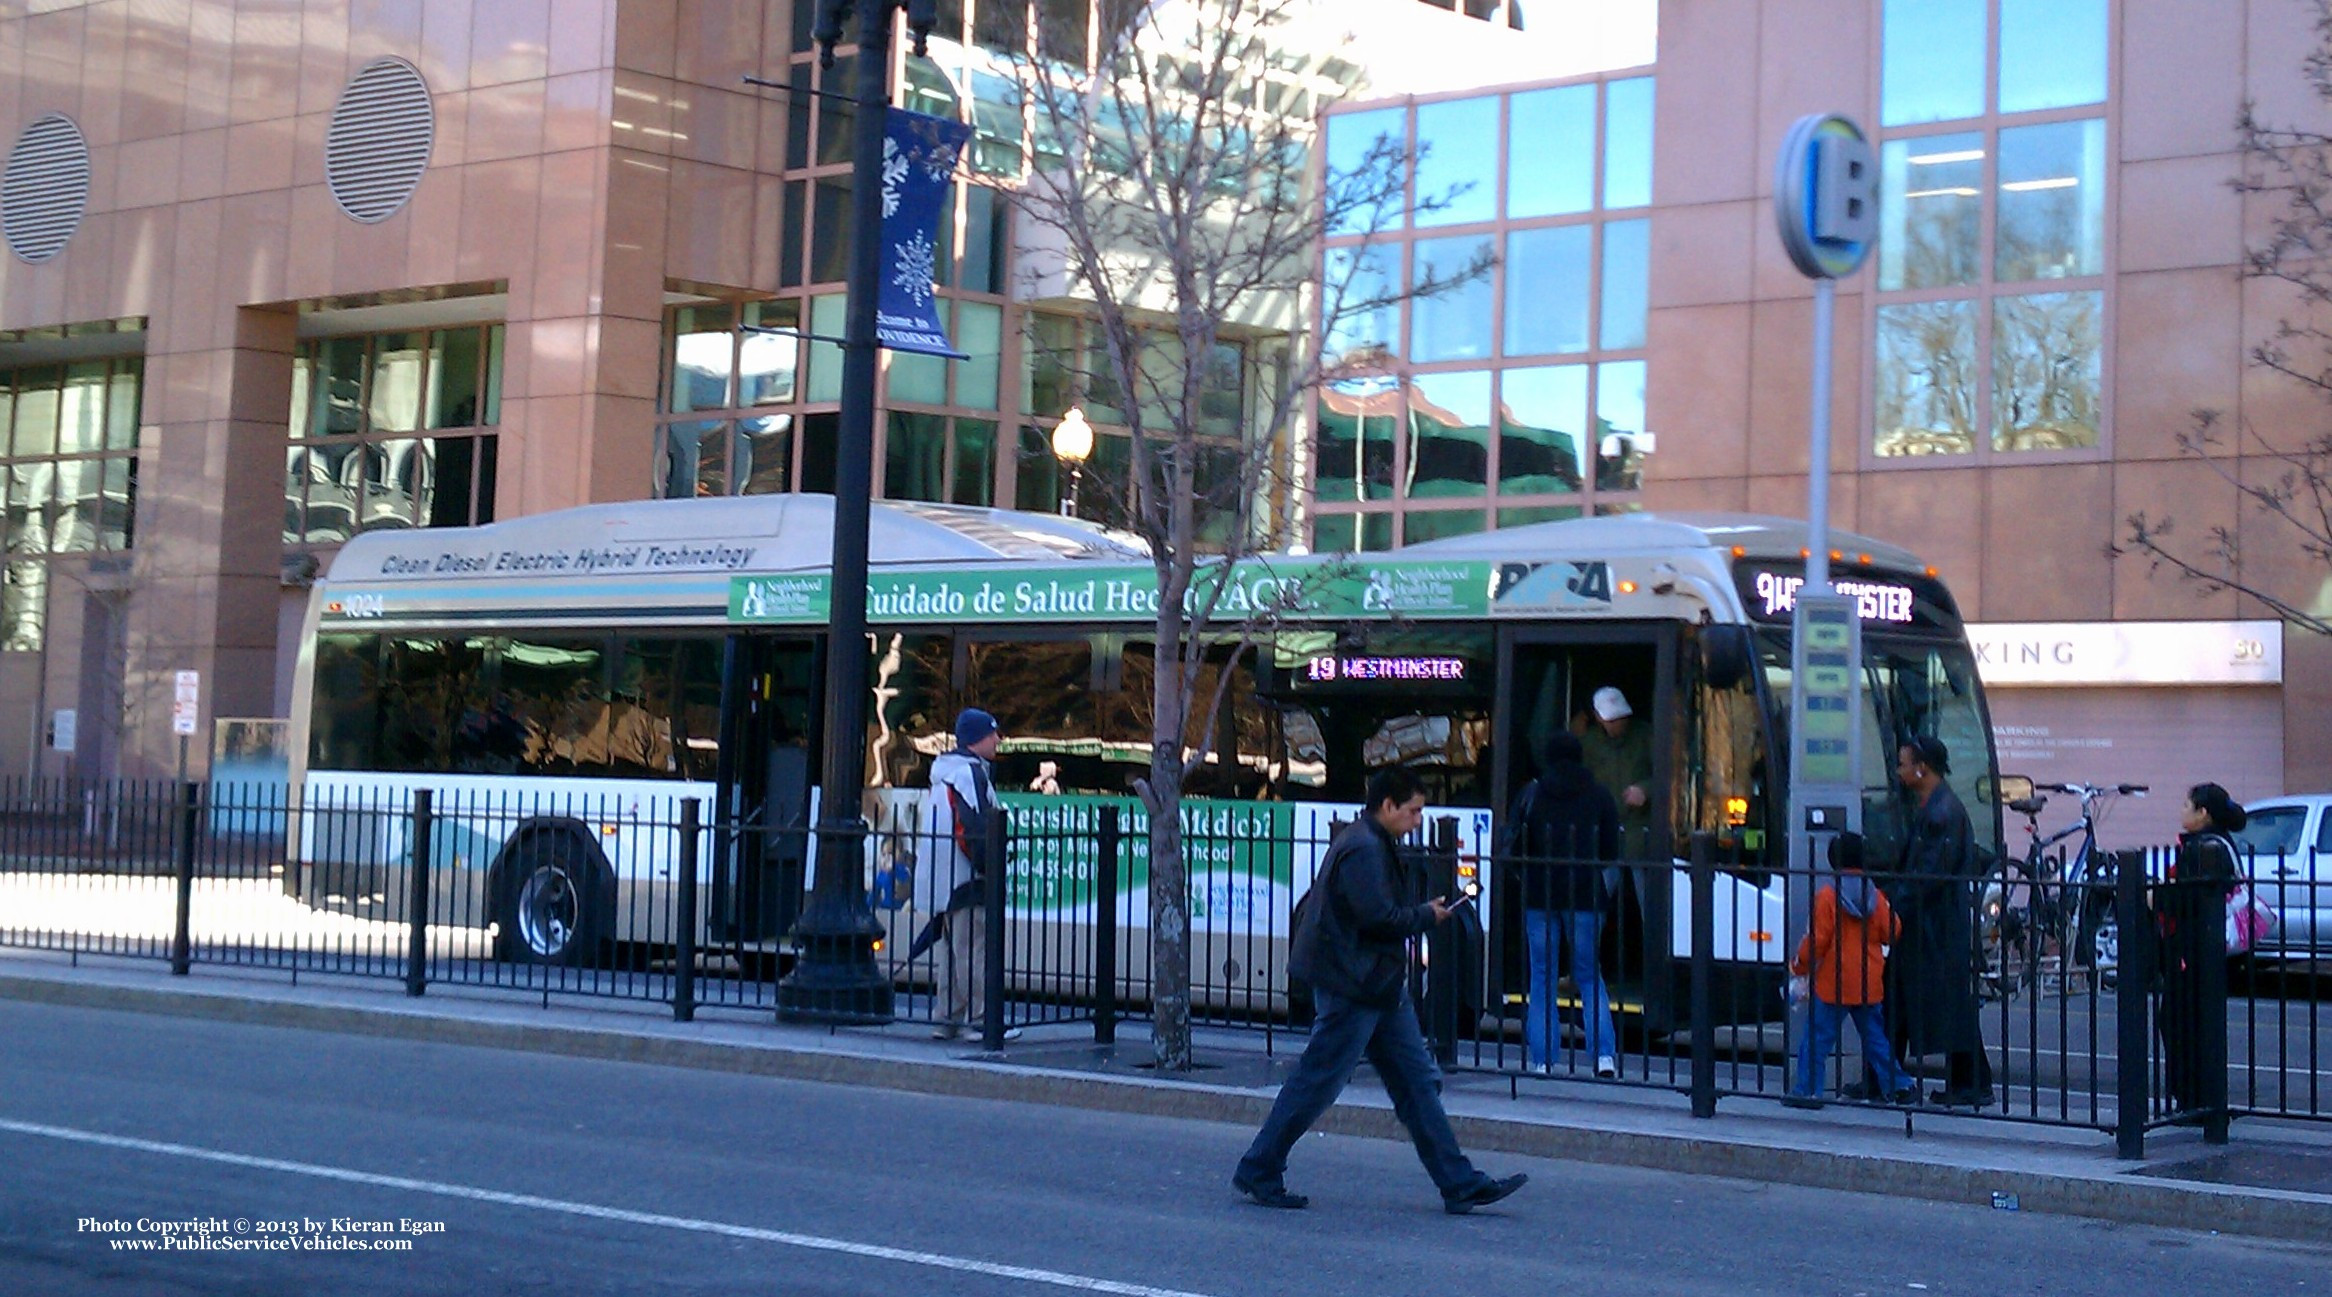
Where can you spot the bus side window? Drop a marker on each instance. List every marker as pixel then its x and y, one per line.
pixel 345 721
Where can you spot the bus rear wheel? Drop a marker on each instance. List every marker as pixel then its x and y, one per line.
pixel 554 896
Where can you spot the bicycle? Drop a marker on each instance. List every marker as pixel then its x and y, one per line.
pixel 2049 912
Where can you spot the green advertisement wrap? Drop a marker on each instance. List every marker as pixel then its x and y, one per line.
pixel 1316 588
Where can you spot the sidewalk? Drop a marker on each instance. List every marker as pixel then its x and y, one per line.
pixel 2274 1180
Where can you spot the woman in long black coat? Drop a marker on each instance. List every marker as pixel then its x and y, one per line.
pixel 2190 914
pixel 1931 992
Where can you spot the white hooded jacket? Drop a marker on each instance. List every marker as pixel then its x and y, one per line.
pixel 941 865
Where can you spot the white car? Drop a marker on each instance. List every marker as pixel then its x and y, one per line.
pixel 2289 841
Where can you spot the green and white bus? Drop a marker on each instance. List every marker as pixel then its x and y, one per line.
pixel 634 655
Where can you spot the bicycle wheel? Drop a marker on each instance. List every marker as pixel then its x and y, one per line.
pixel 2007 936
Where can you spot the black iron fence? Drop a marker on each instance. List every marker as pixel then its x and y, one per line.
pixel 2117 1004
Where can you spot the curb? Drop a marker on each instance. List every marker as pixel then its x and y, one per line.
pixel 2113 1196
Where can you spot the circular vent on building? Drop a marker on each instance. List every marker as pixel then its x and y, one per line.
pixel 46 189
pixel 378 144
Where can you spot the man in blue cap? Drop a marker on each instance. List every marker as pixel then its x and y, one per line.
pixel 961 805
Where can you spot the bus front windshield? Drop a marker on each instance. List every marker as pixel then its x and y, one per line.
pixel 1911 685
pixel 1922 687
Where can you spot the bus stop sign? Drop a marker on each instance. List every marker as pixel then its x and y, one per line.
pixel 1825 196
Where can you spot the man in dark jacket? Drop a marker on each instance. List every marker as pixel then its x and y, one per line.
pixel 1570 828
pixel 1354 952
pixel 1931 993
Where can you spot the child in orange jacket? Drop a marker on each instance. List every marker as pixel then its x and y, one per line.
pixel 1842 960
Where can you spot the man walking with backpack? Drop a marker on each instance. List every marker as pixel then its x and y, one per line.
pixel 948 881
pixel 1353 950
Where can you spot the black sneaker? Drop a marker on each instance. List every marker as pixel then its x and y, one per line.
pixel 1805 1101
pixel 1482 1193
pixel 1270 1195
pixel 1961 1098
pixel 1907 1097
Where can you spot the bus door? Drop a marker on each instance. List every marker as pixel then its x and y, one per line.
pixel 769 692
pixel 1548 677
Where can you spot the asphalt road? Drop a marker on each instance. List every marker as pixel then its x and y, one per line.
pixel 533 1174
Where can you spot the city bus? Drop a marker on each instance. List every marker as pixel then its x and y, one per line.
pixel 639 654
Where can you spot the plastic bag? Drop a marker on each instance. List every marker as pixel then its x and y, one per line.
pixel 2249 921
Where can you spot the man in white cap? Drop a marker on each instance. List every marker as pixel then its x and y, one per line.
pixel 1619 755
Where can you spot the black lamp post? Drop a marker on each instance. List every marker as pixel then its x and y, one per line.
pixel 836 978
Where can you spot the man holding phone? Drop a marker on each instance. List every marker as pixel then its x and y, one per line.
pixel 1354 951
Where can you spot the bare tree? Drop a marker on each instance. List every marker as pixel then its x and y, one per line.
pixel 1178 194
pixel 2291 166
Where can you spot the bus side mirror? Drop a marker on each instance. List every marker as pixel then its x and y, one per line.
pixel 1725 656
pixel 2012 788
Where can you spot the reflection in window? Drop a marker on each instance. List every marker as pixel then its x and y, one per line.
pixel 975 462
pixel 2052 54
pixel 1457 163
pixel 1926 378
pixel 1528 514
pixel 1542 424
pixel 1357 418
pixel 979 334
pixel 1622 444
pixel 1931 211
pixel 349 469
pixel 1450 319
pixel 1359 304
pixel 1419 525
pixel 2052 201
pixel 1550 160
pixel 1627 284
pixel 1040 693
pixel 2046 370
pixel 1932 65
pixel 558 690
pixel 766 362
pixel 764 449
pixel 1547 276
pixel 695 460
pixel 1627 143
pixel 915 457
pixel 1449 435
pixel 1361 149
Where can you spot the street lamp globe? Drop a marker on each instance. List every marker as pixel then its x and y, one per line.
pixel 1073 437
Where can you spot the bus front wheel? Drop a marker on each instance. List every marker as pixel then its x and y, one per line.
pixel 554 895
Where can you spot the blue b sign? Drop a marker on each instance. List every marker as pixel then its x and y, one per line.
pixel 1825 195
pixel 919 154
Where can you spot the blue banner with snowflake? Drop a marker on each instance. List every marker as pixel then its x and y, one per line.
pixel 919 154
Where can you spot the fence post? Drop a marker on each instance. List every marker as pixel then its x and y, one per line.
pixel 992 935
pixel 182 930
pixel 1442 948
pixel 417 902
pixel 1105 856
pixel 2211 1020
pixel 684 970
pixel 1703 978
pixel 2133 1038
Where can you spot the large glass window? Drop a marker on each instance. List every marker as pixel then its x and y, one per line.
pixel 1359 144
pixel 1457 163
pixel 1484 414
pixel 1550 159
pixel 1548 278
pixel 1449 435
pixel 1454 323
pixel 1542 426
pixel 1627 143
pixel 2051 202
pixel 354 462
pixel 1989 319
pixel 68 467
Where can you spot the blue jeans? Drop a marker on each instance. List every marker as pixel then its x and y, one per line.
pixel 1822 1039
pixel 1583 929
pixel 1342 1031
